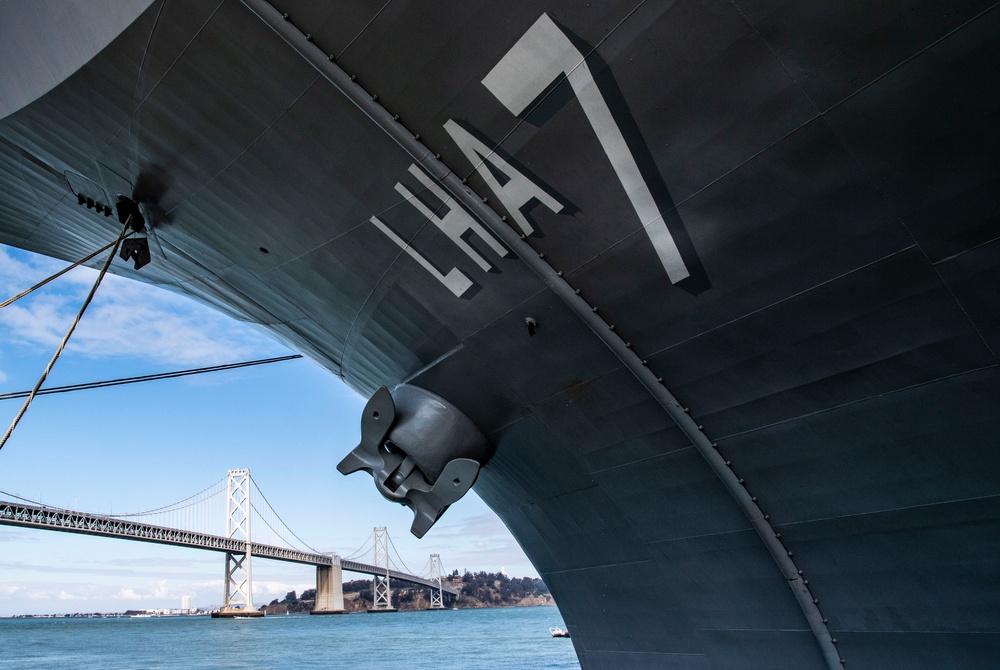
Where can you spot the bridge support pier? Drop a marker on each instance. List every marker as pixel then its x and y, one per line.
pixel 329 590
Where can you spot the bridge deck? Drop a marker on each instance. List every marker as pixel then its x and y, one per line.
pixel 70 521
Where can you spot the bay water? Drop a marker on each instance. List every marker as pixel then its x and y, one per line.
pixel 512 638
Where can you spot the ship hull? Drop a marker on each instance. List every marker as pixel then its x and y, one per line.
pixel 785 215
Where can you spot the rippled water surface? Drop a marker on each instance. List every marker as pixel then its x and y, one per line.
pixel 487 639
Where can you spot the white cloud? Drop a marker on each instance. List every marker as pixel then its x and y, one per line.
pixel 58 591
pixel 157 562
pixel 126 319
pixel 18 270
pixel 159 589
pixel 127 594
pixel 267 591
pixel 40 322
pixel 10 591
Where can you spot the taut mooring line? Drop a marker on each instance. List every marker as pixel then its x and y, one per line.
pixel 56 275
pixel 62 345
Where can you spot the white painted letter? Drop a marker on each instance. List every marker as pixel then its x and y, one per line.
pixel 456 223
pixel 455 280
pixel 537 59
pixel 517 192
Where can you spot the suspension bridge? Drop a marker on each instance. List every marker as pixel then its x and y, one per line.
pixel 252 528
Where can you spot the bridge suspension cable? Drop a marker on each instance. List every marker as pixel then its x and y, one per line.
pixel 270 514
pixel 177 505
pixel 365 548
pixel 404 568
pixel 202 512
pixel 431 566
pixel 28 500
pixel 426 570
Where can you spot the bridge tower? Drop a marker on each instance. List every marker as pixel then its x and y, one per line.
pixel 239 577
pixel 437 595
pixel 381 591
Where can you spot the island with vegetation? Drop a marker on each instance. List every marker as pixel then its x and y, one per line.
pixel 476 589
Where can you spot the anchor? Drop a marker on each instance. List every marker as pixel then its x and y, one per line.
pixel 421 450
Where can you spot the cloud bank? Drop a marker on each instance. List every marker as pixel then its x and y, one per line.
pixel 125 320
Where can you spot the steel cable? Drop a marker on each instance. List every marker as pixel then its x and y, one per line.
pixel 398 556
pixel 151 377
pixel 34 502
pixel 278 517
pixel 277 534
pixel 363 549
pixel 426 570
pixel 176 505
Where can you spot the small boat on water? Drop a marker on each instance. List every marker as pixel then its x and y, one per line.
pixel 558 632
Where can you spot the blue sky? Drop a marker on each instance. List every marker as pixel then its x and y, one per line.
pixel 142 446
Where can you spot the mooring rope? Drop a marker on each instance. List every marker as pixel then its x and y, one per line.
pixel 62 345
pixel 57 275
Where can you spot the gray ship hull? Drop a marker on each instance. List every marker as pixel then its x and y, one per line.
pixel 774 440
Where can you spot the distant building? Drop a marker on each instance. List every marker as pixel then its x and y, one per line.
pixel 186 603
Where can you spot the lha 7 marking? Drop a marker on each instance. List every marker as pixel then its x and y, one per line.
pixel 542 56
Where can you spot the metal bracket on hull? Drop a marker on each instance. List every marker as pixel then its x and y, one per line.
pixel 135 249
pixel 422 451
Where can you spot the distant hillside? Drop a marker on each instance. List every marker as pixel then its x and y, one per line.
pixel 479 589
pixel 495 589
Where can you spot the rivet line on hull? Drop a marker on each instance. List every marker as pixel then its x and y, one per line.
pixel 458 188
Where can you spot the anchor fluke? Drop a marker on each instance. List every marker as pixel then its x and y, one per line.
pixel 421 450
